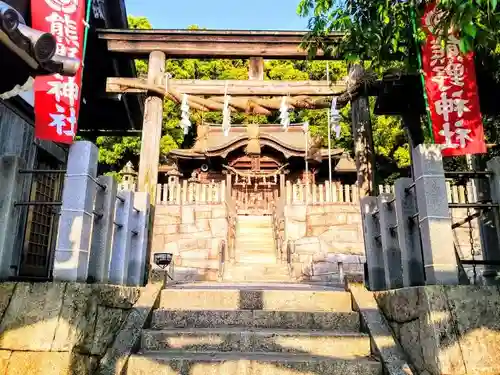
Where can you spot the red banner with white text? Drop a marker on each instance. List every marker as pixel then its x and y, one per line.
pixel 57 98
pixel 450 83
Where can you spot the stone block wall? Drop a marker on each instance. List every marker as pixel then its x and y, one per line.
pixel 325 237
pixel 193 234
pixel 60 328
pixel 446 329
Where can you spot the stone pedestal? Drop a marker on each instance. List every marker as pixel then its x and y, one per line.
pixel 440 263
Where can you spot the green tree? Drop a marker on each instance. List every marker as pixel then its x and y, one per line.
pixel 381 30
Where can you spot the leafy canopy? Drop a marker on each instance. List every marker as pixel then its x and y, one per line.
pixel 382 31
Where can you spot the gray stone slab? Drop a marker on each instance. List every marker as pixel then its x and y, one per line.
pixel 391 354
pixel 102 234
pixel 490 229
pixel 390 244
pixel 408 233
pixel 438 252
pixel 71 260
pixel 373 244
pixel 122 239
pixel 10 216
pixel 116 357
pixel 139 244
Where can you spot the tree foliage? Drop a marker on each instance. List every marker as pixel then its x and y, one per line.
pixel 382 31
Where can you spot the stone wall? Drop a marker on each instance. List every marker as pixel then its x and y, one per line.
pixel 324 236
pixel 193 234
pixel 446 329
pixel 60 328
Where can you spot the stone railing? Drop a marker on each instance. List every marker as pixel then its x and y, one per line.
pixel 415 236
pixel 103 233
pixel 185 192
pixel 300 193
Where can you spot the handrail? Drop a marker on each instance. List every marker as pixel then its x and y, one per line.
pixel 222 259
pixel 290 249
pixel 231 218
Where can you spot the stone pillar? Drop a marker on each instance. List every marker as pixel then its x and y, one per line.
pixel 139 246
pixel 408 233
pixel 490 229
pixel 373 245
pixel 102 234
pixel 10 180
pixel 440 263
pixel 122 238
pixel 389 238
pixel 71 259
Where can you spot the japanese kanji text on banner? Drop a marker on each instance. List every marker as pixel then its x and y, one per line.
pixel 57 98
pixel 450 83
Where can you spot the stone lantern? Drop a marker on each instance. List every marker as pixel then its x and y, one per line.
pixel 129 178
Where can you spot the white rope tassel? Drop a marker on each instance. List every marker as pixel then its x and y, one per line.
pixel 284 114
pixel 226 114
pixel 185 122
pixel 335 118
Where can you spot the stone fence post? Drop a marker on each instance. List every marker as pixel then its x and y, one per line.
pixel 102 234
pixel 139 245
pixel 408 233
pixel 440 263
pixel 373 244
pixel 71 260
pixel 389 238
pixel 491 250
pixel 10 216
pixel 122 238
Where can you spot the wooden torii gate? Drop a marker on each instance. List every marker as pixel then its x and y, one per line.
pixel 253 45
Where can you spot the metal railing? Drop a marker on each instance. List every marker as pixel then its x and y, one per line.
pixel 222 259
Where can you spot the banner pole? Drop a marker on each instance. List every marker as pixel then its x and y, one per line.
pixel 420 70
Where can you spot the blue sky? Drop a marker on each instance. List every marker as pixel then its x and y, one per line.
pixel 220 14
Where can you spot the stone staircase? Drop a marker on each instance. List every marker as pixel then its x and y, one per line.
pixel 255 252
pixel 251 329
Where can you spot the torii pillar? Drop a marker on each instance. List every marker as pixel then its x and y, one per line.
pixel 151 129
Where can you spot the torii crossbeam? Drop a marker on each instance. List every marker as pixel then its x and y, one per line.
pixel 232 44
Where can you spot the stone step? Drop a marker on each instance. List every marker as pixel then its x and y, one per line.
pixel 325 343
pixel 334 321
pixel 188 363
pixel 283 287
pixel 255 278
pixel 254 241
pixel 255 299
pixel 257 259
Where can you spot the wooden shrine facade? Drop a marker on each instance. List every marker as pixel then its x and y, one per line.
pixel 256 160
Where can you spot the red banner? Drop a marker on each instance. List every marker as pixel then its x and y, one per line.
pixel 450 83
pixel 57 98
